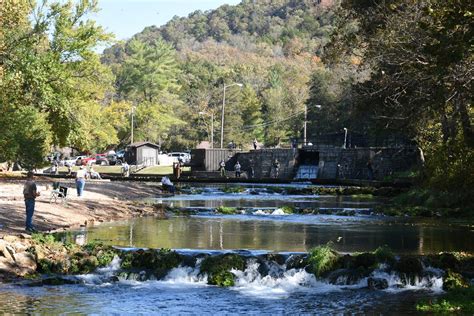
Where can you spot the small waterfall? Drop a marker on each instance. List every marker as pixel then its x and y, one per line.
pixel 268 279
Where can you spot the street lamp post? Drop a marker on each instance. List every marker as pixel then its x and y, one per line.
pixel 306 120
pixel 223 111
pixel 212 126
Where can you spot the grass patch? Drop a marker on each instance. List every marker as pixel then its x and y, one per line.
pixel 160 170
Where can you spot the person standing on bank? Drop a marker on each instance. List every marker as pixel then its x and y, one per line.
pixel 237 168
pixel 30 193
pixel 81 176
pixel 222 168
pixel 255 144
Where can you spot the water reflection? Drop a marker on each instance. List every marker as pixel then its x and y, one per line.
pixel 295 233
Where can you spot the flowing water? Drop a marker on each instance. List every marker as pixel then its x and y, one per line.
pixel 261 228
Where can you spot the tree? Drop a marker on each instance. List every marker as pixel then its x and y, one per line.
pixel 420 58
pixel 46 63
pixel 148 79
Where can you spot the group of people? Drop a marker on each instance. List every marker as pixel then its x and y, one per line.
pixel 275 172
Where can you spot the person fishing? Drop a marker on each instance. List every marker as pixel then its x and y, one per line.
pixel 30 193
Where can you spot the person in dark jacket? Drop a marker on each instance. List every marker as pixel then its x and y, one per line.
pixel 30 193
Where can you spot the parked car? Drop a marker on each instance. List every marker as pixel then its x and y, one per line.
pixel 184 157
pixel 101 159
pixel 114 160
pixel 85 160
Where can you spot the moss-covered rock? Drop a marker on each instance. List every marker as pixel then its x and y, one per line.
pixel 385 255
pixel 322 260
pixel 159 263
pixel 366 260
pixel 218 268
pixel 226 210
pixel 444 261
pixel 453 280
pixel 409 265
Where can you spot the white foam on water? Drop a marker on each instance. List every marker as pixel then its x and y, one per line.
pixel 251 283
pixel 277 212
pixel 185 275
pixel 432 283
pixel 102 275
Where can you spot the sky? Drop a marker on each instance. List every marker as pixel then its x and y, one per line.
pixel 125 18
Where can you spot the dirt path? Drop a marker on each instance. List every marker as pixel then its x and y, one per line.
pixel 102 201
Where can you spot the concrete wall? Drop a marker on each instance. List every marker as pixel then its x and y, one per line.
pixel 262 162
pixel 334 162
pixel 351 163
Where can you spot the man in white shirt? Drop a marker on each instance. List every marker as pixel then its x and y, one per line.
pixel 167 184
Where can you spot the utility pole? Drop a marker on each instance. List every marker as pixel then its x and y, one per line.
pixel 222 119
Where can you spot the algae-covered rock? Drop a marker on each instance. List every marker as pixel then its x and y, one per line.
pixel 218 268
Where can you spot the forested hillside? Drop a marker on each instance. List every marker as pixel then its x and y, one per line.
pixel 273 48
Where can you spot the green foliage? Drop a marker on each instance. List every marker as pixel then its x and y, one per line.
pixel 416 90
pixel 459 300
pixel 322 259
pixel 43 238
pixel 48 70
pixel 453 280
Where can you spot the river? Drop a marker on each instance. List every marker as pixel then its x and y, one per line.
pixel 260 228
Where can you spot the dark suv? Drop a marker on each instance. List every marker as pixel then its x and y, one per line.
pixel 114 160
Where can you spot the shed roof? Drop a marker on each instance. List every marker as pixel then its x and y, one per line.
pixel 141 144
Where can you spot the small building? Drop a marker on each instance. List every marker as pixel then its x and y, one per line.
pixel 142 153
